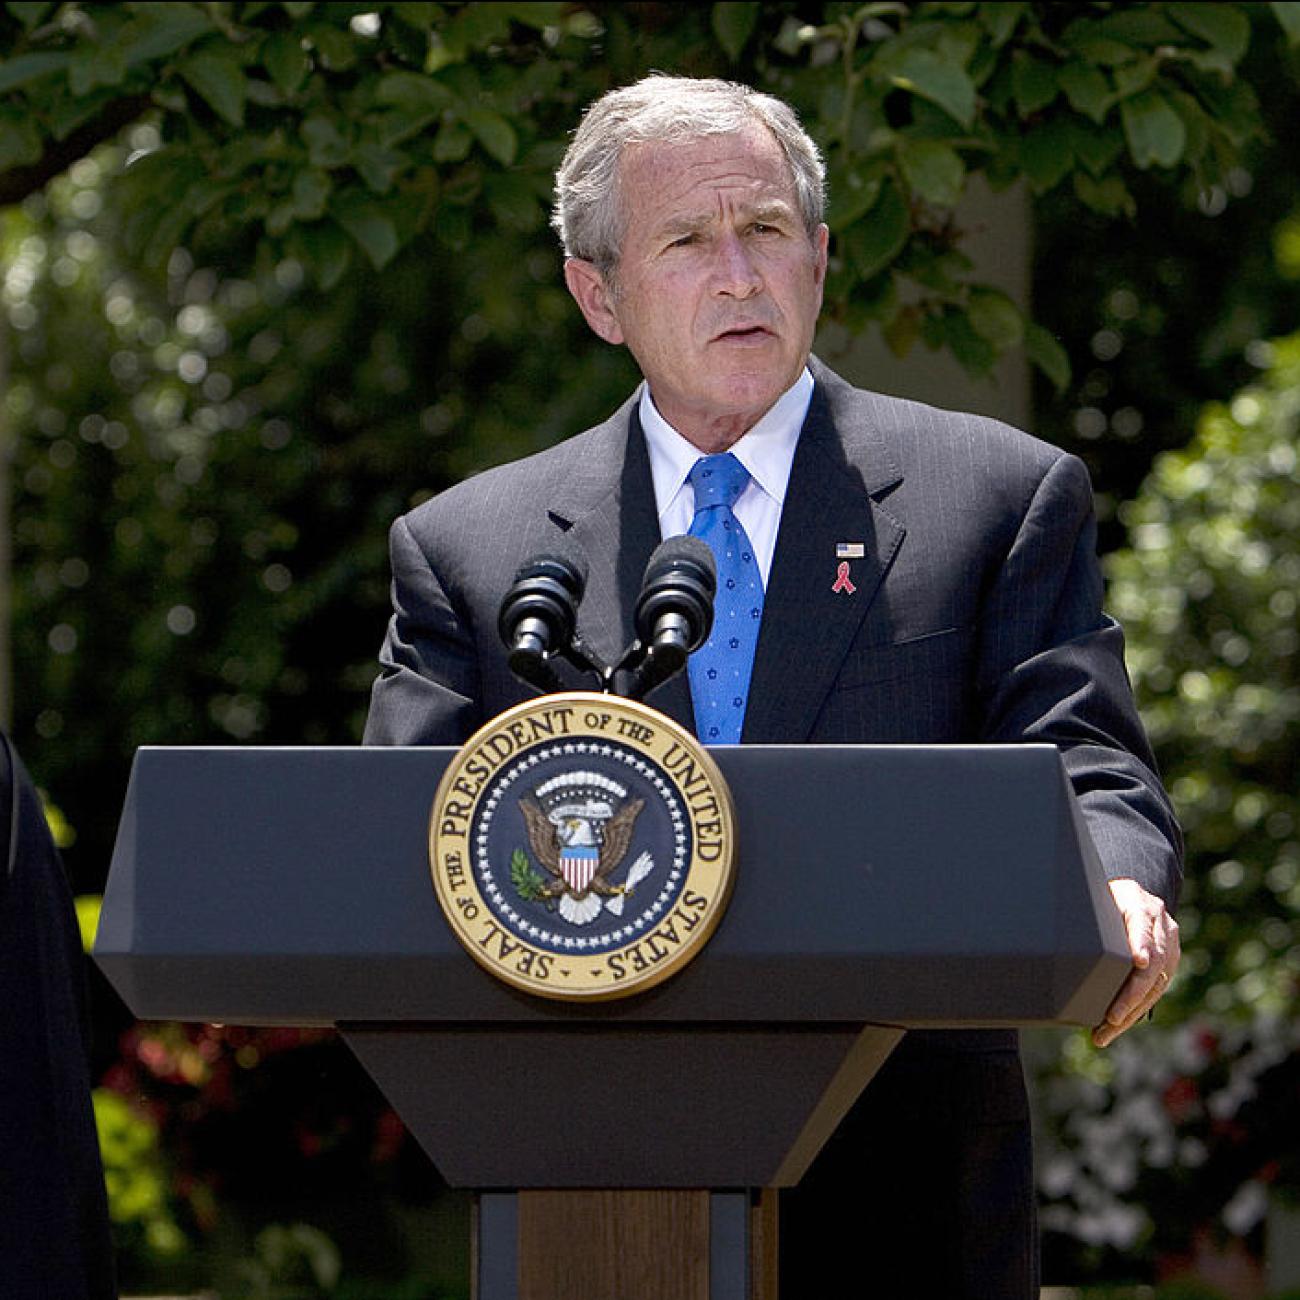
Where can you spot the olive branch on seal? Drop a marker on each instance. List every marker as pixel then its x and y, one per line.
pixel 523 875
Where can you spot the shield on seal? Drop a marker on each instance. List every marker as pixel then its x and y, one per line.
pixel 578 863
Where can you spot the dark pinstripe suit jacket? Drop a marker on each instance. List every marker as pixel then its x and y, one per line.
pixel 976 615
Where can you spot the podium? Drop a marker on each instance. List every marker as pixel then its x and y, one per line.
pixel 877 888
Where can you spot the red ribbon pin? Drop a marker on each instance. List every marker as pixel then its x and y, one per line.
pixel 842 581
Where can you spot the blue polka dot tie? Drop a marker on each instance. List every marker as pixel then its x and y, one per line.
pixel 720 669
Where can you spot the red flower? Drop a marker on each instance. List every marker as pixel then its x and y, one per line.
pixel 1182 1099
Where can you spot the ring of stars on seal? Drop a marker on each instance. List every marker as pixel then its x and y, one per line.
pixel 582 846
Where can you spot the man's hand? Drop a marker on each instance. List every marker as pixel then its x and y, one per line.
pixel 1153 940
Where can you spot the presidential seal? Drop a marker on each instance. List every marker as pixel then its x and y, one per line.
pixel 582 846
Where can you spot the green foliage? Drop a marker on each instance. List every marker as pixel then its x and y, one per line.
pixel 216 402
pixel 733 24
pixel 61 831
pixel 292 1261
pixel 930 94
pixel 298 1261
pixel 1184 1129
pixel 324 130
pixel 1168 1145
pixel 304 124
pixel 136 1177
pixel 1288 14
pixel 88 907
pixel 271 1127
pixel 1165 314
pixel 1208 594
pixel 205 464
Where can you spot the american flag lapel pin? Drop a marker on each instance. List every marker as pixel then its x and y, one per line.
pixel 844 552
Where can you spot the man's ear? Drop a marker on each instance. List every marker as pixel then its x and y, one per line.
pixel 593 297
pixel 821 241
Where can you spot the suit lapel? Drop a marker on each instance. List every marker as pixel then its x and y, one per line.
pixel 841 470
pixel 608 515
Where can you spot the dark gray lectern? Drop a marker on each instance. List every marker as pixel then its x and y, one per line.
pixel 878 887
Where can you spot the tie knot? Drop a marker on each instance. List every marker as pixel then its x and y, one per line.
pixel 717 480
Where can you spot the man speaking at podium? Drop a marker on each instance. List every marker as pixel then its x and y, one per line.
pixel 887 573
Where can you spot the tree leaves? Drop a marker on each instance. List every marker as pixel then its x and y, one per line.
pixel 493 132
pixel 1155 132
pixel 1110 197
pixel 852 193
pixel 1034 81
pixel 1087 89
pixel 1287 12
pixel 1047 154
pixel 25 68
pixel 287 62
pixel 1206 590
pixel 733 24
pixel 219 80
pixel 874 242
pixel 1000 19
pixel 369 224
pixel 30 15
pixel 311 192
pixel 1223 26
pixel 413 92
pixel 1048 355
pixel 1095 148
pixel 996 319
pixel 162 30
pixel 20 140
pixel 324 246
pixel 935 78
pixel 934 170
pixel 431 117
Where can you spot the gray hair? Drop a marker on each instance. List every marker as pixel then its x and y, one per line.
pixel 587 215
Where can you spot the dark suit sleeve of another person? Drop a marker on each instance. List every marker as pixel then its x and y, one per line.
pixel 54 1233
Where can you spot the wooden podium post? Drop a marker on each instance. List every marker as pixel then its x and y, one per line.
pixel 693 1245
pixel 652 1242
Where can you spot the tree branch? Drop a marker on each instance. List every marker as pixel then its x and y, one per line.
pixel 18 182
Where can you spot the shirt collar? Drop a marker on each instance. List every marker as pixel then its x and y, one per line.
pixel 766 450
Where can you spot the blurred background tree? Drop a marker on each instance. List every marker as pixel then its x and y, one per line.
pixel 1179 1146
pixel 274 273
pixel 208 437
pixel 1177 1141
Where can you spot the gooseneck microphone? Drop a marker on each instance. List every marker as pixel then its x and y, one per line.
pixel 674 615
pixel 539 616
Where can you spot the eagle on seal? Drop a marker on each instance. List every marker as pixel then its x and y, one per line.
pixel 580 854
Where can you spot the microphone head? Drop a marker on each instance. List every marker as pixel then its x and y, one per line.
pixel 683 554
pixel 548 588
pixel 565 567
pixel 680 578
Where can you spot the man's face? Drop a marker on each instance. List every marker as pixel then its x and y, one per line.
pixel 718 284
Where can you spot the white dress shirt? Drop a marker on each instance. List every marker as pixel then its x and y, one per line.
pixel 766 451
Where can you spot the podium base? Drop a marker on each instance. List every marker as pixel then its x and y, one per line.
pixel 625 1245
pixel 583 1105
